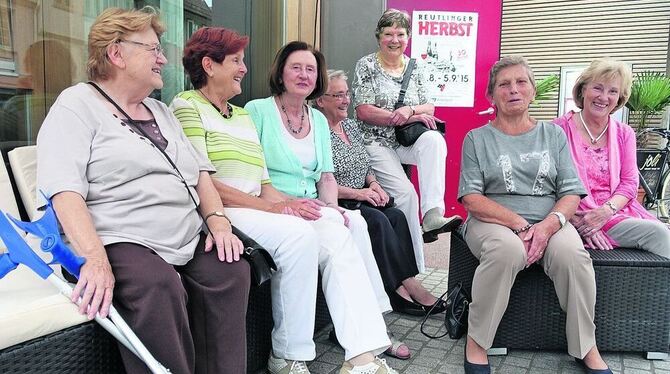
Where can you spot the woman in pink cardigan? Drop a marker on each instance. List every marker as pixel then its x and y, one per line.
pixel 605 156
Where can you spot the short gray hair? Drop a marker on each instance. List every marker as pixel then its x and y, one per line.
pixel 393 17
pixel 337 74
pixel 506 62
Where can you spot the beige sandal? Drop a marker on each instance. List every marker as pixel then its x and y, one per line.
pixel 395 346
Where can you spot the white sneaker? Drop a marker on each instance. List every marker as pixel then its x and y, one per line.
pixel 378 366
pixel 278 365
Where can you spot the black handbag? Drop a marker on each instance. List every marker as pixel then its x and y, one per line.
pixel 407 134
pixel 456 314
pixel 260 261
pixel 352 204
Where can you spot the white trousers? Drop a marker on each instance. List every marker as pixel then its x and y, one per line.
pixel 301 248
pixel 429 154
pixel 359 231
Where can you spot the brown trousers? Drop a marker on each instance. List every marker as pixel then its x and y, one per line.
pixel 502 256
pixel 191 317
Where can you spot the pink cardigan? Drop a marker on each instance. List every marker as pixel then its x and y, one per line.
pixel 623 169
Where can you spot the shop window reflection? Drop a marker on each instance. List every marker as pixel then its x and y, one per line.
pixel 46 67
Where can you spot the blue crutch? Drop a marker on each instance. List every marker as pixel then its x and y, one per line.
pixel 46 228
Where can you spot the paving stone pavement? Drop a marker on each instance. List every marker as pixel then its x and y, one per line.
pixel 446 356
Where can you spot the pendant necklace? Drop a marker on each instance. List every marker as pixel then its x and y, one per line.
pixel 228 106
pixel 288 120
pixel 593 140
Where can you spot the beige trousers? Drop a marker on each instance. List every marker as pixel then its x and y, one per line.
pixel 502 256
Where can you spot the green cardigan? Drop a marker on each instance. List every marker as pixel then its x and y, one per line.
pixel 286 172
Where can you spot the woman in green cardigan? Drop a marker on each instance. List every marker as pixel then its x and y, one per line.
pixel 296 144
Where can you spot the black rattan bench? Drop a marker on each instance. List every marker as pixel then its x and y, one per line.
pixel 87 348
pixel 632 303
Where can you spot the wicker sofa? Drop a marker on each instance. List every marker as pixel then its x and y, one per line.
pixel 43 332
pixel 632 304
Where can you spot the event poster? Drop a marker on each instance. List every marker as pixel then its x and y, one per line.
pixel 446 44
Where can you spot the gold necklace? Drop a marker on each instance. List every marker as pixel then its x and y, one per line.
pixel 397 70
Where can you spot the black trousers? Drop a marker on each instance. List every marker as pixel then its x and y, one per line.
pixel 391 245
pixel 191 317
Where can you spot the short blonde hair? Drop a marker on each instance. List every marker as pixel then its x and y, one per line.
pixel 113 25
pixel 506 62
pixel 606 69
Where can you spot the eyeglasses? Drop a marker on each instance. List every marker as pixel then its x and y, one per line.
pixel 157 48
pixel 339 96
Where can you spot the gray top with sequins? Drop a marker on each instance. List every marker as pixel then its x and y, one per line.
pixel 525 173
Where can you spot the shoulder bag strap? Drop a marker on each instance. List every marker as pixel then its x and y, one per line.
pixel 169 160
pixel 405 83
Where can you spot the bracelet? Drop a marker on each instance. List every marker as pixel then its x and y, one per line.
pixel 218 214
pixel 374 181
pixel 523 229
pixel 413 111
pixel 611 206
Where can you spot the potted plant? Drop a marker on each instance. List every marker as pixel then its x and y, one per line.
pixel 649 96
pixel 545 87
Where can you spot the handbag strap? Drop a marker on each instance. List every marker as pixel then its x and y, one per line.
pixel 425 318
pixel 405 83
pixel 165 155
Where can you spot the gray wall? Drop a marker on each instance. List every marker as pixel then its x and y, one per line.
pixel 347 34
pixel 348 31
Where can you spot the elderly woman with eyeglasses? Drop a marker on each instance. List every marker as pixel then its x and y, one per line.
pixel 387 225
pixel 125 209
pixel 376 89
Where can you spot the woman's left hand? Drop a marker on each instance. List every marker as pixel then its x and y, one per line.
pixel 592 221
pixel 539 236
pixel 383 196
pixel 598 240
pixel 400 116
pixel 342 212
pixel 427 120
pixel 228 246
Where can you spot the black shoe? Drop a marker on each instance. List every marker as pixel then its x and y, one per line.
pixel 588 370
pixel 440 306
pixel 471 368
pixel 402 305
pixel 429 237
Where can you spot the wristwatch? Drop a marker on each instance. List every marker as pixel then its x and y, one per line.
pixel 611 205
pixel 216 213
pixel 561 217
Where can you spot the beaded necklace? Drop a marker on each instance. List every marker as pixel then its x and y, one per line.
pixel 288 120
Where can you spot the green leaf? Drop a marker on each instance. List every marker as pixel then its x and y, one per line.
pixel 545 87
pixel 649 96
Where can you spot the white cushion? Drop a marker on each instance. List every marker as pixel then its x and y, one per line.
pixel 31 307
pixel 23 161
